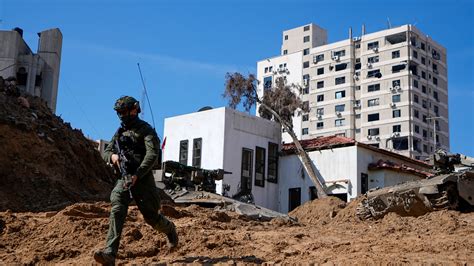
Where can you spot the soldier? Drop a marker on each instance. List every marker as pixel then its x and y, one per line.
pixel 139 139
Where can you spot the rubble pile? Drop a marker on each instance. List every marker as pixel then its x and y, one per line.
pixel 44 163
pixel 211 236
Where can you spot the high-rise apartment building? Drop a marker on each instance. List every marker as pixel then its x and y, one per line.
pixel 387 89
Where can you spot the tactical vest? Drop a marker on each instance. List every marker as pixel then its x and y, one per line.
pixel 132 143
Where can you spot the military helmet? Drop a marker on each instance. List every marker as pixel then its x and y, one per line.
pixel 126 103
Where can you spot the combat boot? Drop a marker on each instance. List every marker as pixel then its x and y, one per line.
pixel 172 237
pixel 104 258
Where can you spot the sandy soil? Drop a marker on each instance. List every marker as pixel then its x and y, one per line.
pixel 327 232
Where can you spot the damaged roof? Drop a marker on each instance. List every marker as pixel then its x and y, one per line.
pixel 319 143
pixel 385 164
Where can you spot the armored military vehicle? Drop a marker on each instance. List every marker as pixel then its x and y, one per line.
pixel 192 185
pixel 451 187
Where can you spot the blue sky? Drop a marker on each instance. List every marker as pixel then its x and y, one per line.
pixel 186 47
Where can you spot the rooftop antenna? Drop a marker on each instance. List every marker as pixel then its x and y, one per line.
pixel 389 25
pixel 146 95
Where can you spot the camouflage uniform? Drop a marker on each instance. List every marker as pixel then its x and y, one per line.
pixel 144 151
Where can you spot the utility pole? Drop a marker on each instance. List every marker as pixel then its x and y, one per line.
pixel 434 128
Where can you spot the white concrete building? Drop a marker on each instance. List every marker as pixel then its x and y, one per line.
pixel 248 146
pixel 35 73
pixel 387 88
pixel 234 141
pixel 346 167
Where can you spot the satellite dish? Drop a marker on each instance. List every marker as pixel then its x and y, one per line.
pixel 205 108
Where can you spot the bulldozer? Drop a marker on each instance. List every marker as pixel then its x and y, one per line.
pixel 451 187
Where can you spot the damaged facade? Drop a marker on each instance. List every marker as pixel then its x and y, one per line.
pixel 35 73
pixel 250 148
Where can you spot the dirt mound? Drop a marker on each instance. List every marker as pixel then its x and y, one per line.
pixel 44 163
pixel 213 236
pixel 319 211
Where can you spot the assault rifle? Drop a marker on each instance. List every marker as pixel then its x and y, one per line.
pixel 122 166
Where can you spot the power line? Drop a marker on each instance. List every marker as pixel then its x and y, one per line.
pixel 82 110
pixel 146 94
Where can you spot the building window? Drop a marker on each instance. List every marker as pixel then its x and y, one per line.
pixel 424 119
pixel 435 95
pixel 423 60
pixel 306 39
pixel 398 68
pixel 435 81
pixel 374 73
pixel 397 128
pixel 286 37
pixel 272 162
pixel 396 113
pixel 416 113
pixel 435 68
pixel 306 51
pixel 340 80
pixel 400 143
pixel 320 84
pixel 294 198
pixel 436 111
pixel 417 129
pixel 304 131
pixel 246 175
pixel 415 98
pixel 422 46
pixel 267 83
pixel 318 58
pixel 340 94
pixel 339 122
pixel 320 111
pixel 373 102
pixel 373 131
pixel 319 125
pixel 197 147
pixel 396 54
pixel 340 53
pixel 423 75
pixel 373 87
pixel 373 117
pixel 373 59
pixel 285 51
pixel 372 45
pixel 340 67
pixel 423 88
pixel 396 98
pixel 259 166
pixel 305 117
pixel 320 71
pixel 320 98
pixel 424 104
pixel 396 83
pixel 415 83
pixel 340 107
pixel 415 54
pixel 306 64
pixel 306 28
pixel 183 152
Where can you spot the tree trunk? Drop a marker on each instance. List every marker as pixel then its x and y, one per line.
pixel 302 155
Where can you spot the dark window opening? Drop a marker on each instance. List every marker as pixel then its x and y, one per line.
pixel 21 76
pixel 398 68
pixel 183 152
pixel 400 143
pixel 197 147
pixel 294 198
pixel 396 38
pixel 364 183
pixel 374 74
pixel 373 117
pixel 313 193
pixel 272 162
pixel 341 66
pixel 259 166
pixel 246 175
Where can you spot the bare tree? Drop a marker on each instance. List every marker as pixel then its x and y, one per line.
pixel 279 103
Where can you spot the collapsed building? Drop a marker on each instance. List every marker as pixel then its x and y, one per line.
pixel 35 73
